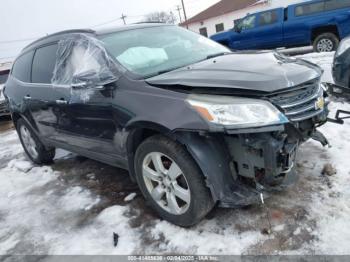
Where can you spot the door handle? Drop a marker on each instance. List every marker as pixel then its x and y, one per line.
pixel 61 102
pixel 27 97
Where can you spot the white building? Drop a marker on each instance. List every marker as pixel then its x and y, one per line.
pixel 221 16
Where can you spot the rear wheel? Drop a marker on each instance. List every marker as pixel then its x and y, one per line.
pixel 32 146
pixel 171 181
pixel 326 42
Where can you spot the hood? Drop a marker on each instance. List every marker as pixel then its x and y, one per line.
pixel 253 72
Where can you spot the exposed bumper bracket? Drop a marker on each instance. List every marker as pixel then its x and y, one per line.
pixel 337 90
pixel 318 136
pixel 338 119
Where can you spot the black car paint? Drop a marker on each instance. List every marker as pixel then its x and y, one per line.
pixel 114 120
pixel 258 72
pixel 3 106
pixel 341 68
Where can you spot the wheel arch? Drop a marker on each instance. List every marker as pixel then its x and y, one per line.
pixel 137 133
pixel 317 31
pixel 15 117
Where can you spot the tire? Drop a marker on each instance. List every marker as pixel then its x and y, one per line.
pixel 195 202
pixel 326 42
pixel 40 155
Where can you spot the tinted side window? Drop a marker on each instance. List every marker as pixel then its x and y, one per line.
pixel 268 18
pixel 44 64
pixel 336 4
pixel 248 22
pixel 309 9
pixel 21 67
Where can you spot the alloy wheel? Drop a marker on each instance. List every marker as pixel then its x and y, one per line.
pixel 29 142
pixel 325 45
pixel 166 183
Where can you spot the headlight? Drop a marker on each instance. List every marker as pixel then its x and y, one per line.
pixel 344 45
pixel 236 112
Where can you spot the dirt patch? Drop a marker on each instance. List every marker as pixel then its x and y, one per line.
pixel 5 124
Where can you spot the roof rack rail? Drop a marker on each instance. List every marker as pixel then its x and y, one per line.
pixel 70 31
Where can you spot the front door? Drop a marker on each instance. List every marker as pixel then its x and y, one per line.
pixel 86 122
pixel 244 38
pixel 270 29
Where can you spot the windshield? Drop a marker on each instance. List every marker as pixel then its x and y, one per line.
pixel 155 50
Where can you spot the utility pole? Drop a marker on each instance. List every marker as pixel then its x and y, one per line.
pixel 123 18
pixel 183 8
pixel 172 17
pixel 178 9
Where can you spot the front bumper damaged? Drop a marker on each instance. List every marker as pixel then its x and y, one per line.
pixel 241 168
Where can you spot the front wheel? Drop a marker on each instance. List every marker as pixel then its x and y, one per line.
pixel 32 146
pixel 171 181
pixel 326 42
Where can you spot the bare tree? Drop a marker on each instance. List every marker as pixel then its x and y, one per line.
pixel 163 17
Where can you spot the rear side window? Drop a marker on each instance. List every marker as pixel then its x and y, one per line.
pixel 336 4
pixel 309 9
pixel 21 67
pixel 44 64
pixel 268 18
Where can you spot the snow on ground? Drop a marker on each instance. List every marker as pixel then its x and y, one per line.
pixel 75 206
pixel 325 60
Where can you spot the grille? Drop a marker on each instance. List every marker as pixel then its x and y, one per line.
pixel 301 103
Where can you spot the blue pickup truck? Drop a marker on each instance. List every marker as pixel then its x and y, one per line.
pixel 320 23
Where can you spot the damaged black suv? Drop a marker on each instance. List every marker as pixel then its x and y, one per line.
pixel 193 123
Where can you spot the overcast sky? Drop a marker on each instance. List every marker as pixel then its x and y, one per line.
pixel 30 19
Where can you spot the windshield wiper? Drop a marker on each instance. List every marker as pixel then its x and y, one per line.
pixel 217 54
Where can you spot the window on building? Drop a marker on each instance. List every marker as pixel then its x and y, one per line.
pixel 21 67
pixel 309 9
pixel 336 4
pixel 268 18
pixel 203 31
pixel 44 64
pixel 219 27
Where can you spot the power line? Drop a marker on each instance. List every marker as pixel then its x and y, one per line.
pixel 18 40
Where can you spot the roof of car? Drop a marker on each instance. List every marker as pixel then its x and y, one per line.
pixel 58 35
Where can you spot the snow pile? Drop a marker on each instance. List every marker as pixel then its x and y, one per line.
pixel 39 214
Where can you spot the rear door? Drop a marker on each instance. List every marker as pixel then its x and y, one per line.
pixel 301 18
pixel 18 85
pixel 269 32
pixel 46 101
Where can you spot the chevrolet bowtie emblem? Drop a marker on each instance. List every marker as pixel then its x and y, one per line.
pixel 319 103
